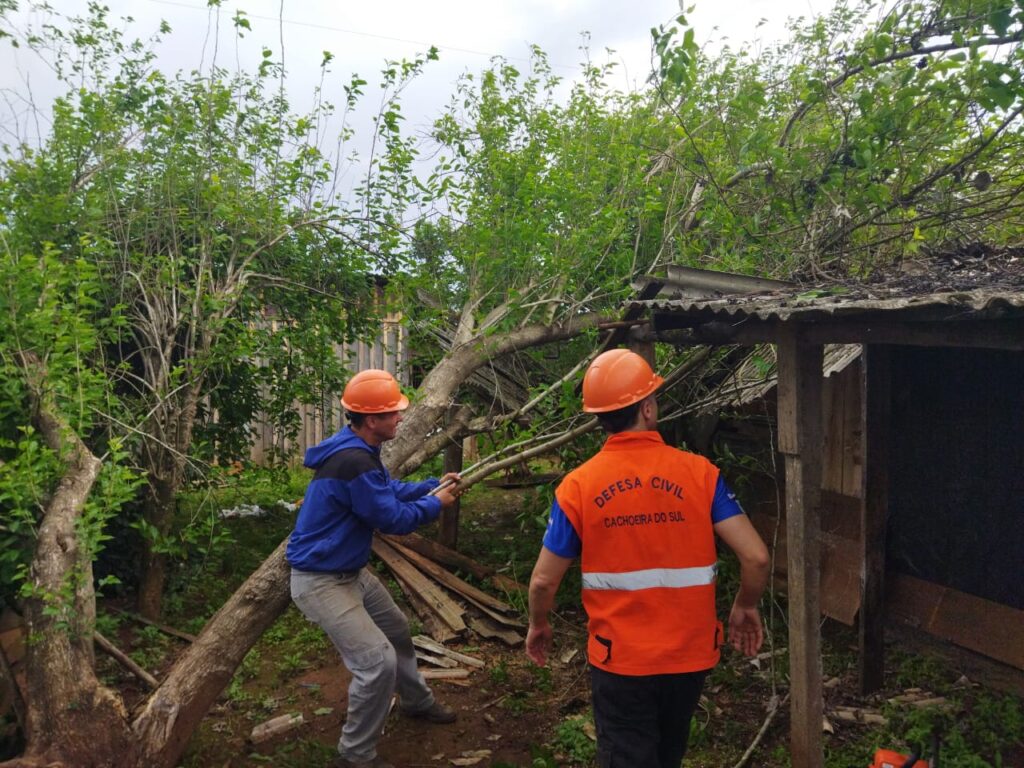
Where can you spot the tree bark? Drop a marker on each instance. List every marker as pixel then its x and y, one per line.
pixel 440 385
pixel 158 511
pixel 71 717
pixel 165 465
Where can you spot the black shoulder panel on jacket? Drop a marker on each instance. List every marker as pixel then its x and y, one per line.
pixel 348 464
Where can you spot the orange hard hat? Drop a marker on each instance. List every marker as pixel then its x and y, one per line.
pixel 373 391
pixel 617 378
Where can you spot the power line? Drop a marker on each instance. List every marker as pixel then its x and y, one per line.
pixel 328 28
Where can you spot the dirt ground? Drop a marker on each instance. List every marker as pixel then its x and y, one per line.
pixel 484 722
pixel 512 714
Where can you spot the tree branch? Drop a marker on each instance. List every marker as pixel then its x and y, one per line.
pixel 835 82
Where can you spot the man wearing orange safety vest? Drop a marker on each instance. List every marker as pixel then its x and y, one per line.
pixel 642 517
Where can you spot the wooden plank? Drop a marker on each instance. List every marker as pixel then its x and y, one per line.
pixel 487 628
pixel 432 625
pixel 447 610
pixel 428 644
pixel 875 416
pixel 799 417
pixel 840 569
pixel 449 524
pixel 834 438
pixel 980 625
pixel 853 465
pixel 444 674
pixel 840 578
pixel 981 334
pixel 437 661
pixel 445 556
pixel 450 580
pixel 987 334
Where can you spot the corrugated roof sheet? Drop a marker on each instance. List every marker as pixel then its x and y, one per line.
pixel 985 303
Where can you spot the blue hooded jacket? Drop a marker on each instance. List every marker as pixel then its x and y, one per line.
pixel 350 495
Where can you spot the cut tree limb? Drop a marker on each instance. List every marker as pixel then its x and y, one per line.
pixel 125 661
pixel 864 716
pixel 162 627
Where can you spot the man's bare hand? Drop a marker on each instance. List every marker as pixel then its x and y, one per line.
pixel 447 495
pixel 745 631
pixel 538 643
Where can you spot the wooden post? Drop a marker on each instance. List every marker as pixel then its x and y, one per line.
pixel 800 441
pixel 642 347
pixel 449 535
pixel 875 411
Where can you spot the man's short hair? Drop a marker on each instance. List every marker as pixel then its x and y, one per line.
pixel 355 419
pixel 620 420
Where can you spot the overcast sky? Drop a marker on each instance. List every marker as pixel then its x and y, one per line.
pixel 364 33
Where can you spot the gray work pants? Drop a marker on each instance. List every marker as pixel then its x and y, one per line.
pixel 372 635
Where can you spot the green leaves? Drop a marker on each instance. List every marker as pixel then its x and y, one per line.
pixel 676 59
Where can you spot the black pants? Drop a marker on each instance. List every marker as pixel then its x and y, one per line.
pixel 643 722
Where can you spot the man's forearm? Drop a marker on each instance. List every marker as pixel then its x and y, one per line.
pixel 753 580
pixel 542 600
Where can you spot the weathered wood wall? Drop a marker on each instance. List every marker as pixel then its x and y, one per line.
pixel 842 460
pixel 389 351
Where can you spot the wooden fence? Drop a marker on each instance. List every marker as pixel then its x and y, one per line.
pixel 389 351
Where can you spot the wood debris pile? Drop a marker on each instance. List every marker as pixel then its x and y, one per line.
pixel 448 606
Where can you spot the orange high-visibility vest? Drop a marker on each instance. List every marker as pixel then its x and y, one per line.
pixel 642 510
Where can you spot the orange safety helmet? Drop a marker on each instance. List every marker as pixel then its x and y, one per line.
pixel 373 391
pixel 617 378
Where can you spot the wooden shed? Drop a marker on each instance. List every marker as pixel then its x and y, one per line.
pixel 939 441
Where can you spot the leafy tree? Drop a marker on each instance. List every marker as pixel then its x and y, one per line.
pixel 872 133
pixel 57 490
pixel 202 204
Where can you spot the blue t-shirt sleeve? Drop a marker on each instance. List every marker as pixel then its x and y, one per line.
pixel 561 538
pixel 725 504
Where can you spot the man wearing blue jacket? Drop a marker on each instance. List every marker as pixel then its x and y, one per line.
pixel 350 496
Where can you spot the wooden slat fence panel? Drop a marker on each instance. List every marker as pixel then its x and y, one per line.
pixel 320 420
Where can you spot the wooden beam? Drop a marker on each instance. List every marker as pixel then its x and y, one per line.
pixel 875 413
pixel 955 332
pixel 800 440
pixel 976 334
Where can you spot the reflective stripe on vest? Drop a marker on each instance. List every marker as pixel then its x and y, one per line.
pixel 652 578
